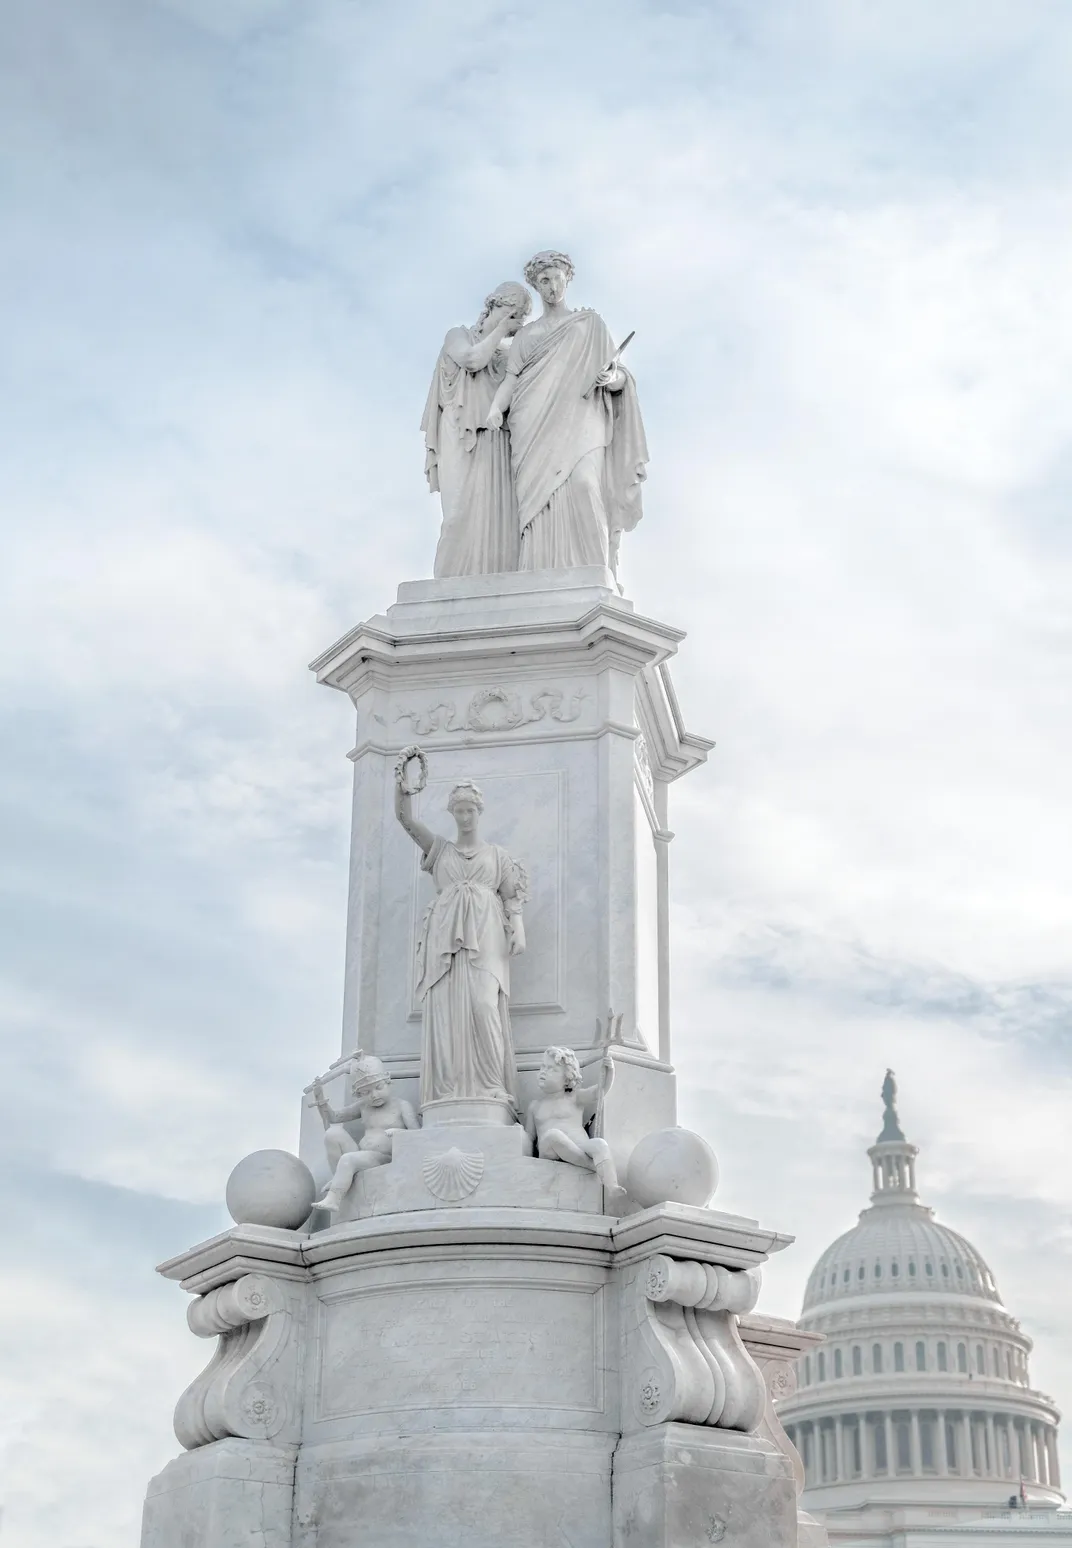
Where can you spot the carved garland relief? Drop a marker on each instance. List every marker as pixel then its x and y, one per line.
pixel 495 709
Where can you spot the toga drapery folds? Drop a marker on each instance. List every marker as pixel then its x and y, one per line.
pixel 578 462
pixel 470 467
pixel 463 976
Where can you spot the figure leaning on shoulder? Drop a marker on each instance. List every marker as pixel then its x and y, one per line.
pixel 576 436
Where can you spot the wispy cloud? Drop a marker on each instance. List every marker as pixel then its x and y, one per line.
pixel 234 236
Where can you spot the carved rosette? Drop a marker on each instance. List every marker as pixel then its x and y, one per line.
pixel 250 1386
pixel 690 1363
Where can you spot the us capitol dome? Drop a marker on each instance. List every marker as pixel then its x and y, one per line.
pixel 915 1417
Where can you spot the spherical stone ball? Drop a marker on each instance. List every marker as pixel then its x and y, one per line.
pixel 672 1166
pixel 270 1188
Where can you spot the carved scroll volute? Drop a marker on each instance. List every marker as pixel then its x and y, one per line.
pixel 250 1387
pixel 675 1381
pixel 781 1380
pixel 696 1368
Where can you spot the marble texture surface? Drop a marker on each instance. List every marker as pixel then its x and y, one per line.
pixel 675 1487
pixel 539 687
pixel 429 1362
pixel 232 1494
pixel 487 1166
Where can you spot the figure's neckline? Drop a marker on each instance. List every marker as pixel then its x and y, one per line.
pixel 470 854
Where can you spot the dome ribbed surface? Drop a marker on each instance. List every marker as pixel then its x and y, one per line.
pixel 899 1248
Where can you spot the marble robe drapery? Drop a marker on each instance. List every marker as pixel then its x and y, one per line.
pixel 470 467
pixel 463 976
pixel 578 462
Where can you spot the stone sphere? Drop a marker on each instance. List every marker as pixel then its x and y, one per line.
pixel 270 1188
pixel 672 1166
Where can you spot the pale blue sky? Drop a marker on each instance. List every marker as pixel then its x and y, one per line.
pixel 233 234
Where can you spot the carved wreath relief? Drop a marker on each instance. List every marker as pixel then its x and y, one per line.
pixel 495 709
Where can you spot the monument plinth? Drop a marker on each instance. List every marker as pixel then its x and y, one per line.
pixel 511 1316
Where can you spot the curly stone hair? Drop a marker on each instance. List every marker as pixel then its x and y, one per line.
pixel 548 260
pixel 466 790
pixel 512 291
pixel 569 1062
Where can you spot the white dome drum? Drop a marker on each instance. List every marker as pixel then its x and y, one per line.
pixel 920 1395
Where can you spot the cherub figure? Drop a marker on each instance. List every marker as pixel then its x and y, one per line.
pixel 380 1112
pixel 556 1119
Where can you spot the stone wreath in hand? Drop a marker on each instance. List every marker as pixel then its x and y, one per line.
pixel 407 756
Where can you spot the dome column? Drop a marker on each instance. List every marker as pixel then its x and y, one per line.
pixel 942 1454
pixel 916 1451
pixel 966 1432
pixel 887 1426
pixel 839 1449
pixel 992 1447
pixel 1055 1465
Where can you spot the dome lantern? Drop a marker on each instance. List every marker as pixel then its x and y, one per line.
pixel 919 1398
pixel 893 1159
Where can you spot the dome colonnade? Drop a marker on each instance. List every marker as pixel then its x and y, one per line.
pixel 921 1391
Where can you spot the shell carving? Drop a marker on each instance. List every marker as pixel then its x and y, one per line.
pixel 453 1175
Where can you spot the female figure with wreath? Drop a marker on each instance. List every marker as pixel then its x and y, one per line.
pixel 468 935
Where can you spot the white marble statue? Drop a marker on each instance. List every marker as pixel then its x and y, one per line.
pixel 556 1119
pixel 380 1113
pixel 468 463
pixel 468 935
pixel 576 436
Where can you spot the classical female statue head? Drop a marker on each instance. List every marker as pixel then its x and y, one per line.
pixel 465 804
pixel 510 297
pixel 549 273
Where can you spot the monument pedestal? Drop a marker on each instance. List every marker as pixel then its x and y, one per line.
pixel 482 1347
pixel 476 1375
pixel 554 695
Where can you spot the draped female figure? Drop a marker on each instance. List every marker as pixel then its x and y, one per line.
pixel 577 442
pixel 467 937
pixel 468 464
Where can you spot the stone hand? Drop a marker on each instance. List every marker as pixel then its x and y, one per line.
pixel 494 420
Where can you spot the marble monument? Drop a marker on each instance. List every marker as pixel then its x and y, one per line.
pixel 510 1313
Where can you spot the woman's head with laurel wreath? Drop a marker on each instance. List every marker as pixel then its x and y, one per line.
pixel 549 273
pixel 510 299
pixel 465 804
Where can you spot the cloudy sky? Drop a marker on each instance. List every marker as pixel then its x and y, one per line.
pixel 234 232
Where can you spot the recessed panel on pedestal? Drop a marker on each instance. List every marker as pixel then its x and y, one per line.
pixel 502 1344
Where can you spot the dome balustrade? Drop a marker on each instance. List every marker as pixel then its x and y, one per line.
pixel 921 1392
